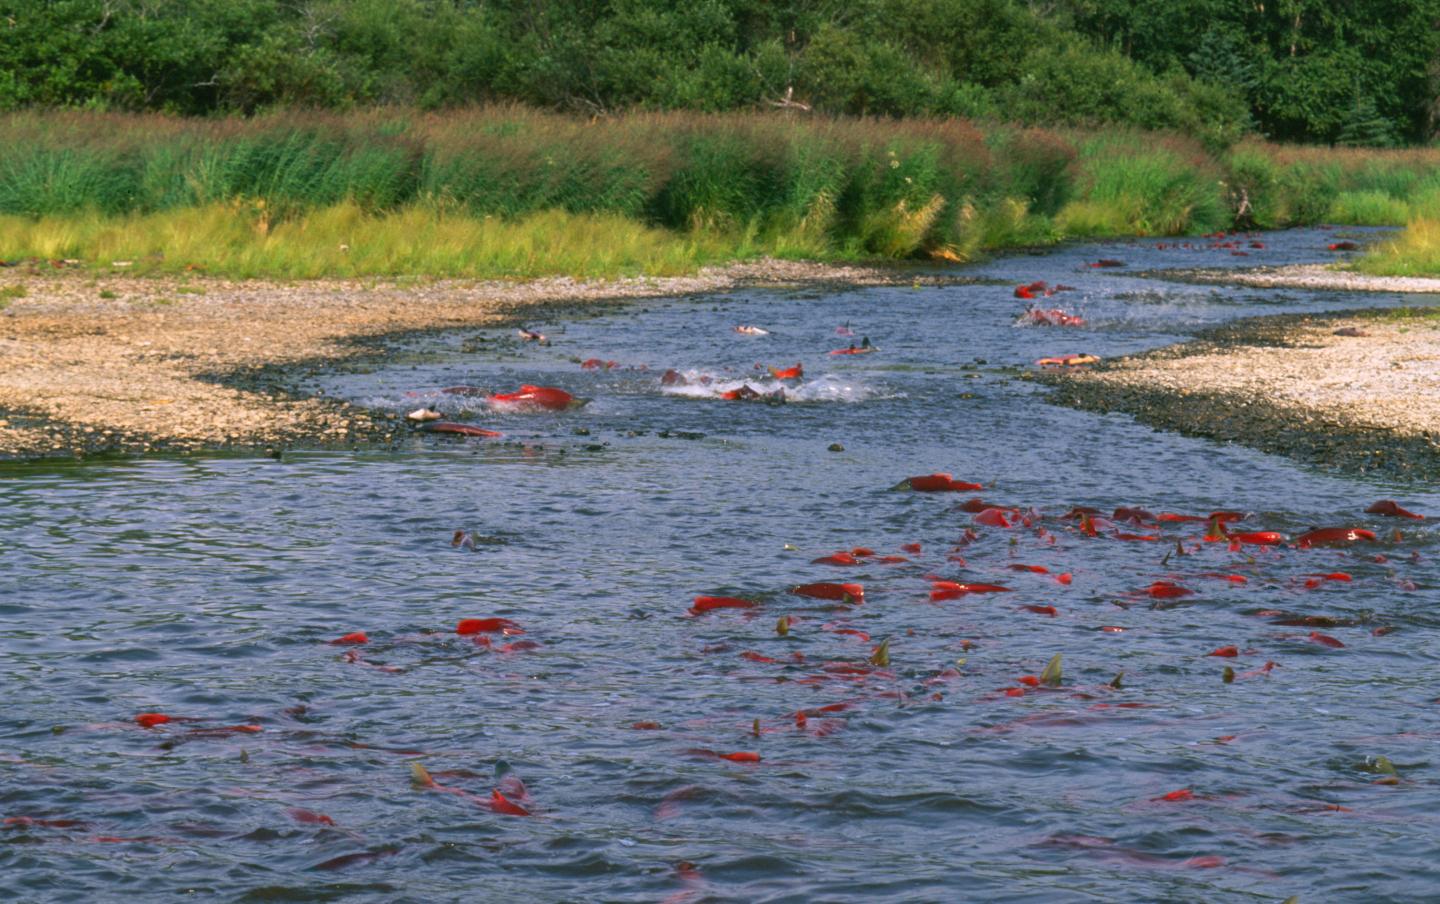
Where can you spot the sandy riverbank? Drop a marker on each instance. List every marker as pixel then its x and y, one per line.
pixel 113 364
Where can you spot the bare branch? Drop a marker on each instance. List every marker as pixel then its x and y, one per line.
pixel 788 102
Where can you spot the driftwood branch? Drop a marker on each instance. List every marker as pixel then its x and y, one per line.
pixel 788 102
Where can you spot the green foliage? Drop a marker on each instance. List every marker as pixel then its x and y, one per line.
pixel 1360 73
pixel 838 70
pixel 345 240
pixel 1425 202
pixel 1133 185
pixel 861 187
pixel 722 181
pixel 988 58
pixel 515 163
pixel 1308 190
pixel 1366 127
pixel 1368 208
pixel 1252 181
pixel 775 182
pixel 1094 219
pixel 1007 223
pixel 1299 186
pixel 1308 70
pixel 1078 86
pixel 37 180
pixel 1035 165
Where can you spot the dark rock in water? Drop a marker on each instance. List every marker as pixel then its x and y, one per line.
pixel 836 447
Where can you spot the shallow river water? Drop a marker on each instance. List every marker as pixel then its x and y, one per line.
pixel 208 589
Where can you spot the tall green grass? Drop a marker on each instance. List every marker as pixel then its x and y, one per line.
pixel 855 187
pixel 1135 185
pixel 1414 252
pixel 718 185
pixel 346 240
pixel 1292 186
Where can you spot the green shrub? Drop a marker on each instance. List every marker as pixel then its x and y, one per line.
pixel 1083 86
pixel 1253 180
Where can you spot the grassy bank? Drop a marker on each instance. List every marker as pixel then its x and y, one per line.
pixel 514 192
pixel 342 240
pixel 1414 252
pixel 1289 186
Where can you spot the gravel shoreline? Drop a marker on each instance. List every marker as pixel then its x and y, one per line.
pixel 101 364
pixel 1358 390
pixel 116 365
pixel 1306 276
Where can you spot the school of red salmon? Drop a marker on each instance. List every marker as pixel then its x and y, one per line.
pixel 1197 554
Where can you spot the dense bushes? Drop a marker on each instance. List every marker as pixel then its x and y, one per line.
pixel 1363 72
pixel 868 57
pixel 767 171
pixel 1360 72
pixel 1143 185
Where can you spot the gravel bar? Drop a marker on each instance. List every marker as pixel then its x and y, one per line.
pixel 1357 391
pixel 102 364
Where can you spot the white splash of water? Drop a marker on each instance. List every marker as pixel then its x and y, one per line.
pixel 699 384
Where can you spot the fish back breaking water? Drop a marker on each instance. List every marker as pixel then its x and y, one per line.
pixel 1231 720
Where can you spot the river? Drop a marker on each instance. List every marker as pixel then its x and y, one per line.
pixel 210 589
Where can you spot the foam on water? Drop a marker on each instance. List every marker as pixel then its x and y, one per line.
pixel 827 387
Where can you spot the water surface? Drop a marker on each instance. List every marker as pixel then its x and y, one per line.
pixel 208 588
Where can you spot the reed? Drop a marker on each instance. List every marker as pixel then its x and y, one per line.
pixel 1367 208
pixel 1295 186
pixel 1133 184
pixel 688 188
pixel 343 240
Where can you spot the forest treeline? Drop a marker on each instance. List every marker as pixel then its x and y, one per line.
pixel 1361 72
